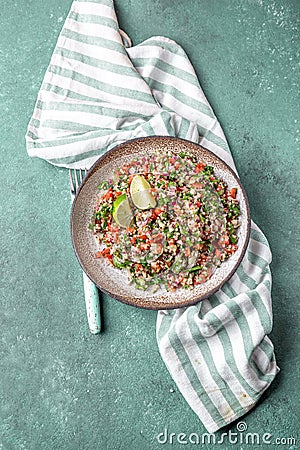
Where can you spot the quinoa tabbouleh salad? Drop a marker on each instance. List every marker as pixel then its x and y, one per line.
pixel 167 220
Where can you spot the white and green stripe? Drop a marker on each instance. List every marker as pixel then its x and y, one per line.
pixel 98 92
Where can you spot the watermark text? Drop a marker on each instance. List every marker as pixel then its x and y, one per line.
pixel 239 436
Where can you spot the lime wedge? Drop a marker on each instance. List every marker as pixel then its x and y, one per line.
pixel 122 212
pixel 141 194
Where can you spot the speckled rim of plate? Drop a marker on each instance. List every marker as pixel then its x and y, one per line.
pixel 111 280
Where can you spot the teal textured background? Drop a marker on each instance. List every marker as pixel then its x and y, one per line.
pixel 61 387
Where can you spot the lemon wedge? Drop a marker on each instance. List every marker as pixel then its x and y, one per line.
pixel 143 199
pixel 139 183
pixel 122 212
pixel 140 191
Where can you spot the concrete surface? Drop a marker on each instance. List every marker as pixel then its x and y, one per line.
pixel 62 388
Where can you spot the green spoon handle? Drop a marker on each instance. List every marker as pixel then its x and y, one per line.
pixel 92 302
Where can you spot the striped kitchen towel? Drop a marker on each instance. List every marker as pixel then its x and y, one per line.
pixel 99 91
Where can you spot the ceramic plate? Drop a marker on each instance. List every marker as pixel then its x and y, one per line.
pixel 114 281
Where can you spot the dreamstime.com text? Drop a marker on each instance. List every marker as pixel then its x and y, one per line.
pixel 240 436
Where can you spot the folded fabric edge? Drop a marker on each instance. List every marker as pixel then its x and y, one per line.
pixel 239 412
pixel 159 38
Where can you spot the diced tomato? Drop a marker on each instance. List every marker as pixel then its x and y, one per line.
pixel 156 212
pixel 200 167
pixel 144 247
pixel 233 192
pixel 142 236
pixel 108 195
pixel 109 257
pixel 105 253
